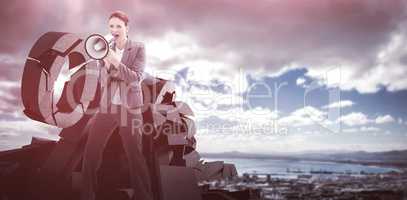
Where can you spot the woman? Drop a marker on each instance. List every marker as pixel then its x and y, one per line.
pixel 120 106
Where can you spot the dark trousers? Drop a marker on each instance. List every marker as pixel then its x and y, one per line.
pixel 129 127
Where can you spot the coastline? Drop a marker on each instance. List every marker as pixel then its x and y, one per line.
pixel 397 166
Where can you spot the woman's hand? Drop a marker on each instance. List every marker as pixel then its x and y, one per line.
pixel 112 63
pixel 112 58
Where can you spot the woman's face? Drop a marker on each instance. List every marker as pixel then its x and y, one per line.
pixel 117 28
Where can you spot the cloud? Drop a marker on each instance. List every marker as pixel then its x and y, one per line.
pixel 316 36
pixel 369 129
pixel 296 142
pixel 361 129
pixel 384 119
pixel 350 130
pixel 11 67
pixel 305 116
pixel 19 132
pixel 354 119
pixel 300 81
pixel 390 59
pixel 253 143
pixel 24 22
pixel 339 104
pixel 238 116
pixel 9 97
pixel 307 111
pixel 264 37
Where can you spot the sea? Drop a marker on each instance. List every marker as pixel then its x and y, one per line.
pixel 289 168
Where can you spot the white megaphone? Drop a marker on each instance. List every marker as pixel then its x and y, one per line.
pixel 97 46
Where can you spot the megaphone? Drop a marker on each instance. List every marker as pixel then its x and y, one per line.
pixel 97 46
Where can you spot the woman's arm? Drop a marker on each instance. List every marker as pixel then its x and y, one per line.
pixel 125 73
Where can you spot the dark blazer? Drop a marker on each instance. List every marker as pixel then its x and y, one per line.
pixel 128 76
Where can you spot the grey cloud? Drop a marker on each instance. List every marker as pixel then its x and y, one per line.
pixel 403 59
pixel 12 71
pixel 270 34
pixel 260 35
pixel 263 34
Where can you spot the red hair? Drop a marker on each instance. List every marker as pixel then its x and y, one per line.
pixel 120 15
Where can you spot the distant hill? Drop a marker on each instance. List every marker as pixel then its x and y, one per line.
pixel 387 156
pixel 398 158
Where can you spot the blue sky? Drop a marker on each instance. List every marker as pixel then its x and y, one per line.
pixel 373 121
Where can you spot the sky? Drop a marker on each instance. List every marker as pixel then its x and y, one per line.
pixel 261 76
